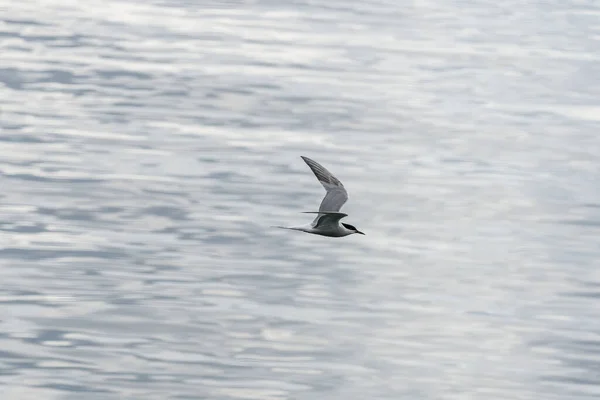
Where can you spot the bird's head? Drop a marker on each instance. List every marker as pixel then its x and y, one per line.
pixel 352 228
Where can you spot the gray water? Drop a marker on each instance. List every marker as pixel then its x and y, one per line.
pixel 147 148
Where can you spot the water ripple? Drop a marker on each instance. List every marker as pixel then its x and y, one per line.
pixel 148 148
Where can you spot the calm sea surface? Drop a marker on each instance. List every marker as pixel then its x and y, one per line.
pixel 146 147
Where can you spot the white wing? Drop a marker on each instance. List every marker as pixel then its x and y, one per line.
pixel 336 194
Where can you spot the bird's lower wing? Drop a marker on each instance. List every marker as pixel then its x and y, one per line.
pixel 341 214
pixel 326 217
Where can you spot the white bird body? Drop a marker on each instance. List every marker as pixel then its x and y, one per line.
pixel 327 221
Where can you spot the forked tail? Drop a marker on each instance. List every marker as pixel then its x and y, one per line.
pixel 326 213
pixel 286 227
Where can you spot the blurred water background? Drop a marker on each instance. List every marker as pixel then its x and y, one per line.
pixel 146 148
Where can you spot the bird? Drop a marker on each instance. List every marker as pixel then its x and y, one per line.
pixel 327 222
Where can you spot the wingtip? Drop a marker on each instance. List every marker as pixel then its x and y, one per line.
pixel 325 213
pixel 309 161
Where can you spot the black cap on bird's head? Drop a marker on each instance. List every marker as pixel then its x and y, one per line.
pixel 352 228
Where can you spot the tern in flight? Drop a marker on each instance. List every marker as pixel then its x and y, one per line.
pixel 327 222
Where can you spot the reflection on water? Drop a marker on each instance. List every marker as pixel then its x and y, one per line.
pixel 148 147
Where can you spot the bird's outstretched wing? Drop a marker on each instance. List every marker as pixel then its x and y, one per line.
pixel 336 194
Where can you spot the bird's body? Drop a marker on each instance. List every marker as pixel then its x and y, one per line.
pixel 327 221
